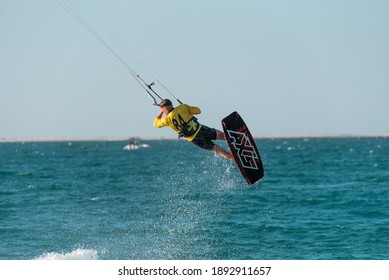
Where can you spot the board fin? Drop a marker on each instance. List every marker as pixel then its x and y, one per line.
pixel 243 148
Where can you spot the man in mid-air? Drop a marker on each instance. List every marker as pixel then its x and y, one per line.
pixel 181 119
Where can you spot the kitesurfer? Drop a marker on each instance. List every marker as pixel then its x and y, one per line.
pixel 181 119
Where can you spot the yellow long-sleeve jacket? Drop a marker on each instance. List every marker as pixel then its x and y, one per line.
pixel 181 120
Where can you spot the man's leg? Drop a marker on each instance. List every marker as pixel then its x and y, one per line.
pixel 220 135
pixel 223 152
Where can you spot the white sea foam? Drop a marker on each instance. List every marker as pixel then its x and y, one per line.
pixel 78 254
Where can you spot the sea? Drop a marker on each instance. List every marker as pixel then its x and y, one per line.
pixel 320 199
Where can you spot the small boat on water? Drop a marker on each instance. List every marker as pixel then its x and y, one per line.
pixel 134 144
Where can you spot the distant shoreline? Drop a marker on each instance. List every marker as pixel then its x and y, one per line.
pixel 124 139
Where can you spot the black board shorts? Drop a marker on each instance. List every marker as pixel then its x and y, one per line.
pixel 204 138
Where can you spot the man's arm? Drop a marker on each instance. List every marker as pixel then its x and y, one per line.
pixel 160 114
pixel 194 110
pixel 157 121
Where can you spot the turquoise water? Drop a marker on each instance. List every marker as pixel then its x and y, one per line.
pixel 321 198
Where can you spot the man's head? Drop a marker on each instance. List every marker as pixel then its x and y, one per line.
pixel 166 105
pixel 166 102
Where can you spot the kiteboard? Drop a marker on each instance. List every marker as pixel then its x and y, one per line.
pixel 243 148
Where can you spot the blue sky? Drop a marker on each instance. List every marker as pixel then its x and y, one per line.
pixel 288 67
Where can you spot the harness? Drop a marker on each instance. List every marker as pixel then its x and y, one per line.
pixel 187 129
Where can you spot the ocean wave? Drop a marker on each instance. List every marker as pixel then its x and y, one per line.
pixel 78 254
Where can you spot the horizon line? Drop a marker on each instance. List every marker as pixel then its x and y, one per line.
pixel 146 138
